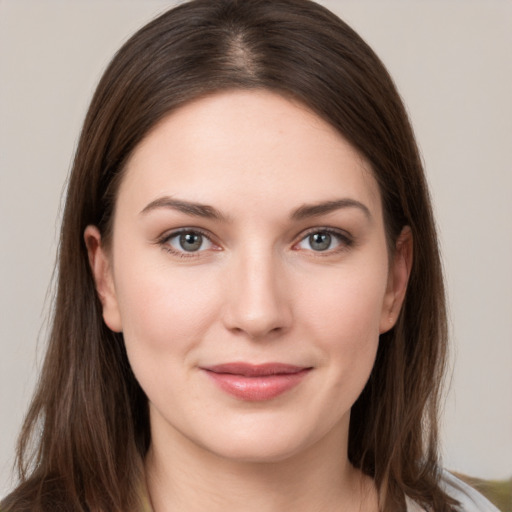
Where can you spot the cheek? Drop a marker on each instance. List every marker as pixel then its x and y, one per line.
pixel 163 311
pixel 343 315
pixel 347 303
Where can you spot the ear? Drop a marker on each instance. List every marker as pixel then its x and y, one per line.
pixel 399 272
pixel 102 272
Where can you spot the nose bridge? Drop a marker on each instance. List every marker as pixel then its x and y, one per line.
pixel 258 299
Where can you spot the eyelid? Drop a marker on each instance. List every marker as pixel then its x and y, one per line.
pixel 163 241
pixel 345 239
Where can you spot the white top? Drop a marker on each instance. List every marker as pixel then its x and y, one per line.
pixel 469 499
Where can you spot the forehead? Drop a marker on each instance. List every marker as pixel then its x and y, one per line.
pixel 245 148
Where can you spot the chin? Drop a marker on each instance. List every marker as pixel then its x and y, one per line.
pixel 258 451
pixel 269 441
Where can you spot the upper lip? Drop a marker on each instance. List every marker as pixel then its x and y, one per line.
pixel 256 370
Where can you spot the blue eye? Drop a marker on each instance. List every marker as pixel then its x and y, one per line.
pixel 189 241
pixel 323 240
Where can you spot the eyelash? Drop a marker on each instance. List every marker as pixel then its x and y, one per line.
pixel 344 239
pixel 164 242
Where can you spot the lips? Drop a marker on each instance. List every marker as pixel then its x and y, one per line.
pixel 256 382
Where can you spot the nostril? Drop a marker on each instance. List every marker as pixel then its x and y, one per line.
pixel 258 328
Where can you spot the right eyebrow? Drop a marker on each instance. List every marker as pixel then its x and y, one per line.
pixel 187 207
pixel 322 208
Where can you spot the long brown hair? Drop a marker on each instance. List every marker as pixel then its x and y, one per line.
pixel 87 430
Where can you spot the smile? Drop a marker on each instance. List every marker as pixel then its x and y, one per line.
pixel 256 382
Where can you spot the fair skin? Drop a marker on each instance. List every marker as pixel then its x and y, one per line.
pixel 283 259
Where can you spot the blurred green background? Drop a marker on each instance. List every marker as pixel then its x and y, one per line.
pixel 498 492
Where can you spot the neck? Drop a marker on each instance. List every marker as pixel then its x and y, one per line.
pixel 184 477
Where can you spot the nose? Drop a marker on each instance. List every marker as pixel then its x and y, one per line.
pixel 258 305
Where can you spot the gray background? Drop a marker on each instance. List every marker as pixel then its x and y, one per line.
pixel 452 63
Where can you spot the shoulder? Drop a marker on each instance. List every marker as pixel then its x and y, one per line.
pixel 469 499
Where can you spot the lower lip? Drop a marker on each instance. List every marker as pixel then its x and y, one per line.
pixel 257 389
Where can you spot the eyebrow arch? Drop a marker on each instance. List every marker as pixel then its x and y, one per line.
pixel 314 210
pixel 187 207
pixel 209 212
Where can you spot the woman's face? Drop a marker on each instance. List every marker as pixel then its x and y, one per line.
pixel 249 274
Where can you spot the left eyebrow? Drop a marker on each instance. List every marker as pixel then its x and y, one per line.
pixel 186 207
pixel 313 210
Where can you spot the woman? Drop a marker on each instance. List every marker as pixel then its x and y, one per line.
pixel 250 311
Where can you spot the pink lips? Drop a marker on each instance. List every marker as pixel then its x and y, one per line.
pixel 256 382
